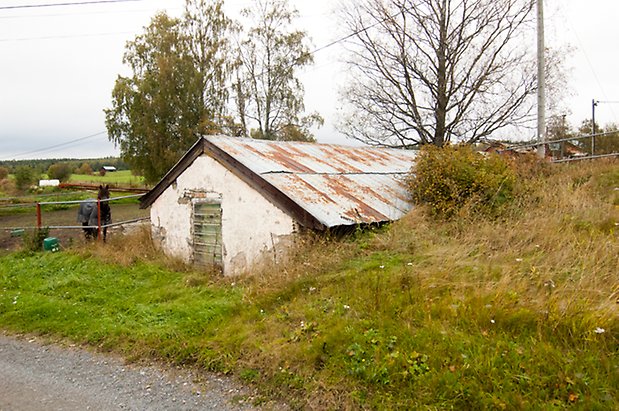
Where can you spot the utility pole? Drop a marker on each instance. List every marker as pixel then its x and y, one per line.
pixel 541 81
pixel 593 105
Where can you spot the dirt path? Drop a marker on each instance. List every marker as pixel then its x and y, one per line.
pixel 34 376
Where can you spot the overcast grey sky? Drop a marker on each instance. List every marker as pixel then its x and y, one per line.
pixel 59 65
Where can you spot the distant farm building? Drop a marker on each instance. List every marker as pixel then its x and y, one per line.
pixel 49 183
pixel 229 202
pixel 107 169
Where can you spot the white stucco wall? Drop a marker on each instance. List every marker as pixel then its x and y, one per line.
pixel 251 225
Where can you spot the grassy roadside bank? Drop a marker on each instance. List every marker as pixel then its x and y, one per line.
pixel 517 313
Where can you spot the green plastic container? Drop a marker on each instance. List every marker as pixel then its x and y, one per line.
pixel 18 232
pixel 51 244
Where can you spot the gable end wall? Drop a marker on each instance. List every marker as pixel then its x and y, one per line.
pixel 253 228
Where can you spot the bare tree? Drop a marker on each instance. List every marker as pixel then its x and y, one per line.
pixel 429 71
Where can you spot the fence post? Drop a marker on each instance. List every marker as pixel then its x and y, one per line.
pixel 39 222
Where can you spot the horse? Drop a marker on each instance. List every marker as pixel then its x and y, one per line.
pixel 87 214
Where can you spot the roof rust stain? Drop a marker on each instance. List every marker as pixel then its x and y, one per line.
pixel 303 194
pixel 352 154
pixel 338 185
pixel 347 168
pixel 361 208
pixel 373 193
pixel 282 156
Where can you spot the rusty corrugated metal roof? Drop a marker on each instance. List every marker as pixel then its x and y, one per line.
pixel 337 185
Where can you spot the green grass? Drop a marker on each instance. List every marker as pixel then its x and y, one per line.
pixel 122 177
pixel 516 313
pixel 141 310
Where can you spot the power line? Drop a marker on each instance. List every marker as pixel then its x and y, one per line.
pixel 340 40
pixel 68 36
pixel 582 48
pixel 59 145
pixel 82 3
pixel 73 13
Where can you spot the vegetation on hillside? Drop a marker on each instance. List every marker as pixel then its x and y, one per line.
pixel 41 166
pixel 121 178
pixel 30 192
pixel 517 310
pixel 454 180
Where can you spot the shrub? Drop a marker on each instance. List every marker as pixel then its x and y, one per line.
pixel 85 169
pixel 4 173
pixel 33 240
pixel 59 171
pixel 24 176
pixel 456 178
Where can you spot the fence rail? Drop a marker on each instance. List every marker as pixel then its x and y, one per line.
pixel 575 149
pixel 39 207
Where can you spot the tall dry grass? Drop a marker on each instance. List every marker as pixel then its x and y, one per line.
pixel 133 245
pixel 556 250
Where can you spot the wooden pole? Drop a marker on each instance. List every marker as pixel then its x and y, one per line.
pixel 39 222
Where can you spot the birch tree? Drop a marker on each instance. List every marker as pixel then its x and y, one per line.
pixel 269 94
pixel 176 91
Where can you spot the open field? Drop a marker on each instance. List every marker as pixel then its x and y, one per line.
pixel 122 177
pixel 517 312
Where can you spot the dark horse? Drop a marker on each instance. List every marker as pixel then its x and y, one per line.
pixel 87 214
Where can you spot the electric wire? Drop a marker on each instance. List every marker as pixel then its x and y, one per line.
pixel 337 41
pixel 40 150
pixel 68 36
pixel 70 14
pixel 73 3
pixel 589 63
pixel 295 62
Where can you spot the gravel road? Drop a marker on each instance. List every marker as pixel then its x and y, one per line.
pixel 35 376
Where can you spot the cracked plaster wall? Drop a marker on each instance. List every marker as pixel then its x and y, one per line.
pixel 252 227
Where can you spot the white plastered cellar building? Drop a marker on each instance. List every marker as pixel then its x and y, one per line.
pixel 232 202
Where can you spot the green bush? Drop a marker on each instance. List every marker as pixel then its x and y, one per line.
pixel 33 240
pixel 59 171
pixel 24 176
pixel 453 179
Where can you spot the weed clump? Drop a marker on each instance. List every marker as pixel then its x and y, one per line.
pixel 33 241
pixel 455 179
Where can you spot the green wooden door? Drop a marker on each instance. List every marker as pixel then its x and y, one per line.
pixel 207 247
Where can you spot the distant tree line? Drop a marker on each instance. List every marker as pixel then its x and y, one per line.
pixel 41 166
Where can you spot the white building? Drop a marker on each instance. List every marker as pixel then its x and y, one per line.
pixel 49 183
pixel 232 201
